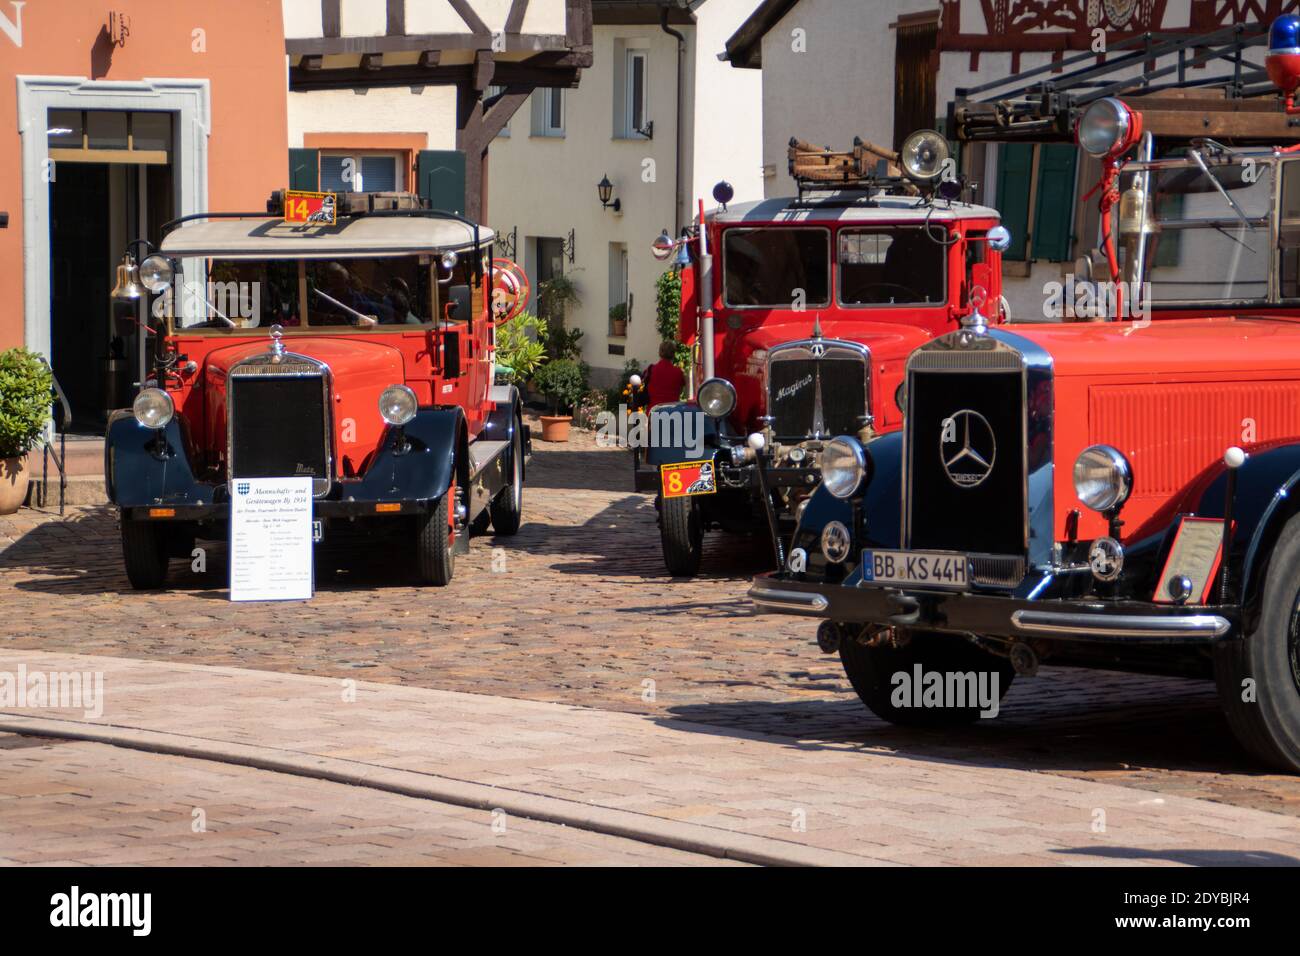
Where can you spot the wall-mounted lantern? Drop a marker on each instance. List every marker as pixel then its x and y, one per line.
pixel 605 189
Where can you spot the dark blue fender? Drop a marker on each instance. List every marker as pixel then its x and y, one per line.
pixel 714 437
pixel 421 468
pixel 144 467
pixel 873 514
pixel 505 420
pixel 1267 497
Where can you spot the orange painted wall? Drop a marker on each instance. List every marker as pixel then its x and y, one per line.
pixel 244 62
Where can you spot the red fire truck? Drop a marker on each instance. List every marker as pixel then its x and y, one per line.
pixel 801 329
pixel 345 339
pixel 1118 494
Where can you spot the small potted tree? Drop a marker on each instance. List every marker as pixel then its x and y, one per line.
pixel 24 409
pixel 618 320
pixel 563 382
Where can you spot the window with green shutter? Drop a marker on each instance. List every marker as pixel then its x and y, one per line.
pixel 1015 173
pixel 1054 205
pixel 1053 168
pixel 304 169
pixel 440 177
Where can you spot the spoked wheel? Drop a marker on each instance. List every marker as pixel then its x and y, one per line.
pixel 960 664
pixel 146 548
pixel 435 540
pixel 682 534
pixel 508 506
pixel 1258 677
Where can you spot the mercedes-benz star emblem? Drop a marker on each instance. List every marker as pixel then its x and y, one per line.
pixel 967 448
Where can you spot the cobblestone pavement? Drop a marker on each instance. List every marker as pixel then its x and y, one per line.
pixel 678 780
pixel 577 609
pixel 66 802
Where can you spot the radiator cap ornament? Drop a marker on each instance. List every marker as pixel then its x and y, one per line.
pixel 277 346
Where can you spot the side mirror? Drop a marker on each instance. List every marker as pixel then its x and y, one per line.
pixel 460 304
pixel 999 238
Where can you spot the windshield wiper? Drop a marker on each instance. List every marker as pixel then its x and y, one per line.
pixel 364 319
pixel 1200 161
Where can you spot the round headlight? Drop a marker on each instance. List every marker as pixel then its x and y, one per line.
pixel 397 404
pixel 156 273
pixel 1102 477
pixel 1104 127
pixel 844 465
pixel 923 155
pixel 836 542
pixel 900 396
pixel 153 408
pixel 717 398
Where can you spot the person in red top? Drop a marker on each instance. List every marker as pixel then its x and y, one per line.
pixel 663 381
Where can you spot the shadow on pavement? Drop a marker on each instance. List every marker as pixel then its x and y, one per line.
pixel 1128 729
pixel 1187 857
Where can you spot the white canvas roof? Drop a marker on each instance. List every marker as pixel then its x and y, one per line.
pixel 273 238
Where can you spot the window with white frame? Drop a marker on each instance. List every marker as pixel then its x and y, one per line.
pixel 362 172
pixel 620 297
pixel 635 108
pixel 548 112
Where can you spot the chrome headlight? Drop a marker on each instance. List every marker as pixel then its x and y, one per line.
pixel 1104 127
pixel 156 273
pixel 836 542
pixel 717 398
pixel 923 156
pixel 844 466
pixel 900 396
pixel 397 404
pixel 153 408
pixel 1103 478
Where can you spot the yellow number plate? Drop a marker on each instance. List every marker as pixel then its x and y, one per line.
pixel 687 478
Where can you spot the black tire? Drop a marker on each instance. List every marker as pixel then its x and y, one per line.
pixel 435 558
pixel 1265 714
pixel 508 506
pixel 871 671
pixel 682 534
pixel 146 550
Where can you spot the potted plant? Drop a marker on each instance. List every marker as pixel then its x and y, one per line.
pixel 25 382
pixel 520 349
pixel 554 296
pixel 618 320
pixel 563 382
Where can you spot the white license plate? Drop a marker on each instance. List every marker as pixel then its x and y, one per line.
pixel 934 569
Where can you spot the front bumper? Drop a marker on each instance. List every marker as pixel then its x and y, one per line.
pixel 995 615
pixel 732 477
pixel 322 508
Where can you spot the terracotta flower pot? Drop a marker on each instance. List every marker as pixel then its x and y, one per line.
pixel 13 484
pixel 556 427
pixel 620 327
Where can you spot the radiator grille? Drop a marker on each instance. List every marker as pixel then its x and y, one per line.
pixel 279 427
pixel 813 395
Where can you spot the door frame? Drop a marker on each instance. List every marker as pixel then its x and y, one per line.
pixel 189 99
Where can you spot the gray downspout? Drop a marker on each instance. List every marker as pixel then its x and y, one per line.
pixel 677 181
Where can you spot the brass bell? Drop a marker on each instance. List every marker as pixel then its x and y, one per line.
pixel 128 288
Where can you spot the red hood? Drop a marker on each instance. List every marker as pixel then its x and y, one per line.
pixel 886 340
pixel 1168 346
pixel 359 371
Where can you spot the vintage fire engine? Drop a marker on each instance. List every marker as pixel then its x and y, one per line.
pixel 348 339
pixel 801 332
pixel 1118 494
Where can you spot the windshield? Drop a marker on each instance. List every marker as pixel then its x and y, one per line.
pixel 777 268
pixel 363 293
pixel 1205 243
pixel 893 265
